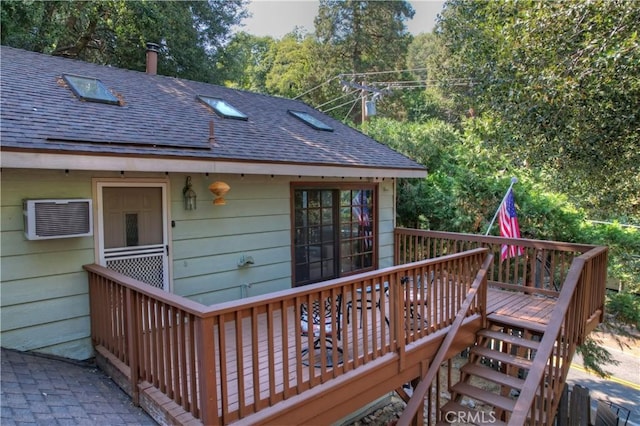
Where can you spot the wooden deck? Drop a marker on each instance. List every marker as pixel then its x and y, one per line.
pixel 531 309
pixel 246 361
pixel 300 370
pixel 518 307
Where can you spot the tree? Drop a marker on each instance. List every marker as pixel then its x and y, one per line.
pixel 562 81
pixel 114 32
pixel 355 37
pixel 245 62
pixel 292 59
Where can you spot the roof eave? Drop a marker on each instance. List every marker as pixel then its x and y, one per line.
pixel 43 160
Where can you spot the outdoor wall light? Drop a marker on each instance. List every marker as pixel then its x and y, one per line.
pixel 189 195
pixel 219 189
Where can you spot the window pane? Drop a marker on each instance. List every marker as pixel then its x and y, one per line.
pixel 327 198
pixel 313 217
pixel 333 239
pixel 357 227
pixel 311 120
pixel 314 235
pixel 299 197
pixel 223 108
pixel 327 216
pixel 131 229
pixel 313 198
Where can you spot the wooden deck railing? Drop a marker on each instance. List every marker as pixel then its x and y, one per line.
pixel 540 396
pixel 574 273
pixel 478 290
pixel 542 268
pixel 224 362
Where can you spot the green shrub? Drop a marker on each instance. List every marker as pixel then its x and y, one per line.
pixel 625 307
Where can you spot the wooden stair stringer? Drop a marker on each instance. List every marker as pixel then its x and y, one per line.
pixel 517 343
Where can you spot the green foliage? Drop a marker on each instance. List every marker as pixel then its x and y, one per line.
pixel 595 356
pixel 626 307
pixel 624 253
pixel 115 32
pixel 355 37
pixel 245 62
pixel 466 182
pixel 291 59
pixel 562 83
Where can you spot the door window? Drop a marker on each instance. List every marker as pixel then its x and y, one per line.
pixel 334 232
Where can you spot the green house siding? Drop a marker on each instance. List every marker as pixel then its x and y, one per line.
pixel 44 302
pixel 44 297
pixel 208 242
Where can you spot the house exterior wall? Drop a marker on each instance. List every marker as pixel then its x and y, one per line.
pixel 44 298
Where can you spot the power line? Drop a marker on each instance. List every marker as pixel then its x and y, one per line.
pixel 382 72
pixel 317 87
pixel 379 87
pixel 341 105
pixel 351 109
pixel 335 99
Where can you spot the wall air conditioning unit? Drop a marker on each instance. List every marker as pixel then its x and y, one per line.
pixel 48 219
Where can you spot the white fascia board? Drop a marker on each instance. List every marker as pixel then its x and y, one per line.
pixel 25 160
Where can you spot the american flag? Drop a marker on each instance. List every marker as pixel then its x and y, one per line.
pixel 360 208
pixel 509 227
pixel 361 211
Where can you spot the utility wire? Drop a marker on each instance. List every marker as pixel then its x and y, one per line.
pixel 382 72
pixel 335 99
pixel 351 109
pixel 341 105
pixel 389 85
pixel 317 87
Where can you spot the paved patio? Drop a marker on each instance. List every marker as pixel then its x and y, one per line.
pixel 38 390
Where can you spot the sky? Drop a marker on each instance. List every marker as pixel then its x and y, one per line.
pixel 276 18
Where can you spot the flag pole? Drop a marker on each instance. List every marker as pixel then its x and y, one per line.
pixel 513 180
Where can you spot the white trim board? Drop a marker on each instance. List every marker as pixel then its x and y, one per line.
pixel 138 164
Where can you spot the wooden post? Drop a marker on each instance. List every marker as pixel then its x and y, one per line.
pixel 205 346
pixel 133 328
pixel 562 414
pixel 580 407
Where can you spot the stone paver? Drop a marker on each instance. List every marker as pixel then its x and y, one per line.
pixel 37 390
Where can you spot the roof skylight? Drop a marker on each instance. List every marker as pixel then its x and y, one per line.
pixel 90 89
pixel 311 121
pixel 222 108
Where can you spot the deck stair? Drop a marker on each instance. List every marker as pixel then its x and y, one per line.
pixel 494 374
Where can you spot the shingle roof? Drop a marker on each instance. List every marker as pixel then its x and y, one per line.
pixel 160 116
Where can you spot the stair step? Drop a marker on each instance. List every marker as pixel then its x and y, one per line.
pixel 462 414
pixel 492 375
pixel 489 398
pixel 517 323
pixel 510 338
pixel 502 357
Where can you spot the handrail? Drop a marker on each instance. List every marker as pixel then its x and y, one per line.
pixel 575 274
pixel 541 269
pixel 419 393
pixel 559 340
pixel 193 353
pixel 491 239
pixel 188 351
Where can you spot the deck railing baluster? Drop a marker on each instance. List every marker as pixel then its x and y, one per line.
pixel 164 333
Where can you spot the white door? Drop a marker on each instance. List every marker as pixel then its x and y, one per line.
pixel 133 237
